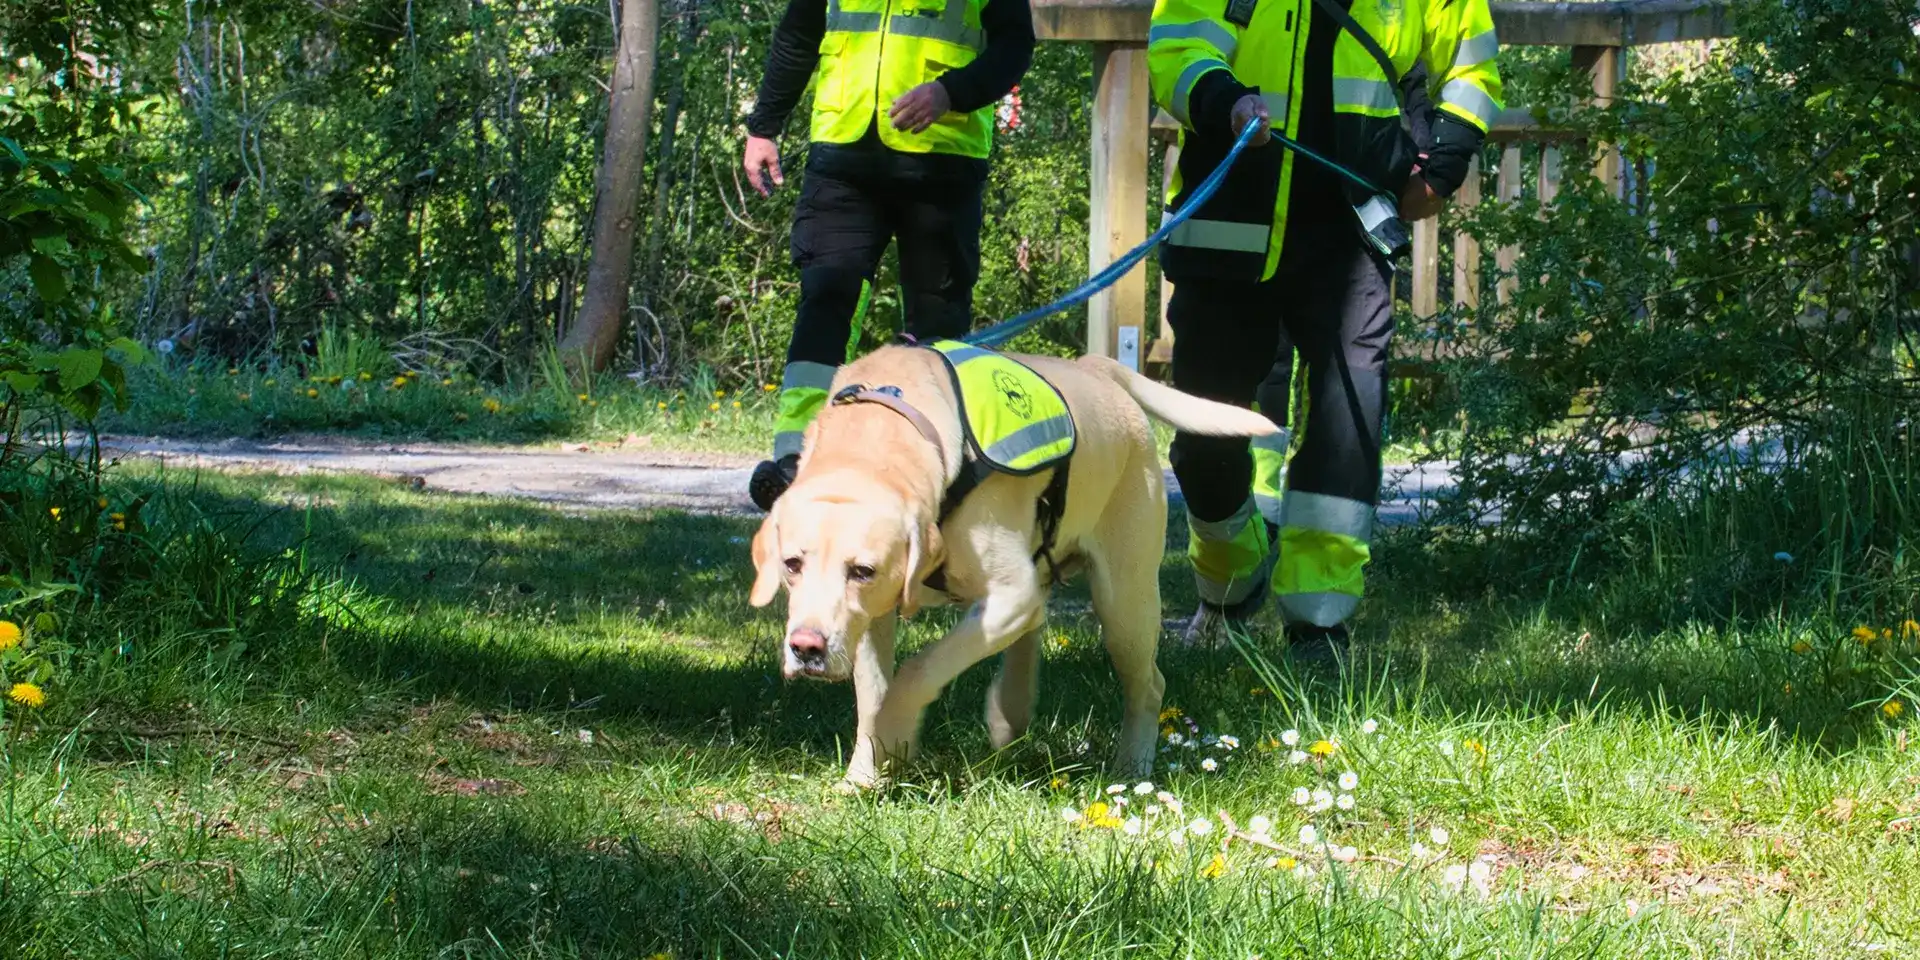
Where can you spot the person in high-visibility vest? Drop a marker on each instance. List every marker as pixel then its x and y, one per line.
pixel 1288 256
pixel 903 113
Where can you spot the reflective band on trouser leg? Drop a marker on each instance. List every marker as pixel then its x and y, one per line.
pixel 1227 555
pixel 803 391
pixel 1323 552
pixel 1269 463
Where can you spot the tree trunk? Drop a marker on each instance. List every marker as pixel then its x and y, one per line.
pixel 590 342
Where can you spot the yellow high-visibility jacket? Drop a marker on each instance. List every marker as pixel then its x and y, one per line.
pixel 876 50
pixel 1261 46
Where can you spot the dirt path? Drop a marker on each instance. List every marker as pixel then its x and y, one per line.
pixel 579 475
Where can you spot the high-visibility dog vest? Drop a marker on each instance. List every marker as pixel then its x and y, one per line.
pixel 876 50
pixel 1016 421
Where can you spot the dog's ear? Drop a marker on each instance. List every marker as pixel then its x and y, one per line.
pixel 926 551
pixel 768 565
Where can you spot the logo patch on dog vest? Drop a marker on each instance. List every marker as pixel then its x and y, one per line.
pixel 1240 12
pixel 1016 421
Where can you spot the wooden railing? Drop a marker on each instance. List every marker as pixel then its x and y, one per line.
pixel 1125 124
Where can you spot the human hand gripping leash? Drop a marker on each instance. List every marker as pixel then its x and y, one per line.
pixel 1005 330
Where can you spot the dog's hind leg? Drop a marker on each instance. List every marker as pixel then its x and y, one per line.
pixel 1123 575
pixel 1010 700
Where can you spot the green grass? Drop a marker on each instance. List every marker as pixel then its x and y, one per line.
pixel 488 729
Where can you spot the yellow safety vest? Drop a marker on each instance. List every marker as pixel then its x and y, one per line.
pixel 1264 43
pixel 876 50
pixel 1016 421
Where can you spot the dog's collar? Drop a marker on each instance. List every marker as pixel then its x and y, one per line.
pixel 889 397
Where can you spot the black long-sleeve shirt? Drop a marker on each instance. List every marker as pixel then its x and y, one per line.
pixel 795 52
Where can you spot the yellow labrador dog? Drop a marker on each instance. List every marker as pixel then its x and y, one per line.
pixel 857 535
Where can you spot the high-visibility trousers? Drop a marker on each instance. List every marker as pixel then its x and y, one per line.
pixel 1237 342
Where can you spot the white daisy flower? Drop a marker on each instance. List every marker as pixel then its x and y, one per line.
pixel 1142 788
pixel 1480 871
pixel 1133 826
pixel 1344 854
pixel 1345 802
pixel 1169 800
pixel 1070 815
pixel 1229 741
pixel 1200 827
pixel 1302 796
pixel 1446 748
pixel 1209 764
pixel 1349 781
pixel 1439 836
pixel 1259 826
pixel 1369 727
pixel 1177 838
pixel 1153 809
pixel 1455 875
pixel 1116 789
pixel 1297 757
pixel 1322 800
pixel 1309 836
pixel 1420 851
pixel 1175 739
pixel 1291 738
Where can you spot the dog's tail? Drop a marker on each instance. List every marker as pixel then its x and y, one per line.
pixel 1183 411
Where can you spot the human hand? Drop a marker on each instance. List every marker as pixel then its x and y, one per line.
pixel 762 157
pixel 1249 109
pixel 917 109
pixel 1417 199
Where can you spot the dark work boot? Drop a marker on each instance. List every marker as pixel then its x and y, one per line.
pixel 1310 643
pixel 771 479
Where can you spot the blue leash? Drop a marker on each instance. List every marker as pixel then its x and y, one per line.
pixel 1006 330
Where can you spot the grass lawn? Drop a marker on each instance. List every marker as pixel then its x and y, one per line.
pixel 496 730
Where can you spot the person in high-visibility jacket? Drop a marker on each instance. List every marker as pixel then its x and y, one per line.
pixel 1287 257
pixel 903 115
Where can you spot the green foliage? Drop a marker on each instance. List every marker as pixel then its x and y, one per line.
pixel 1721 369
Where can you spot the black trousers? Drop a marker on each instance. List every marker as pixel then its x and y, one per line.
pixel 840 229
pixel 1331 300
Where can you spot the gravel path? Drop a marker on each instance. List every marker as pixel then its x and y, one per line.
pixel 576 475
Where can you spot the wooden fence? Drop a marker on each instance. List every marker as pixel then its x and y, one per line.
pixel 1125 126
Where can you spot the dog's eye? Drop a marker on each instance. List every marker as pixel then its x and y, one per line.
pixel 859 573
pixel 794 565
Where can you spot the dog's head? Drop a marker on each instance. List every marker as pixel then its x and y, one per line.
pixel 849 549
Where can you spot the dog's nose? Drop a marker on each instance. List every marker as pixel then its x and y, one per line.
pixel 809 649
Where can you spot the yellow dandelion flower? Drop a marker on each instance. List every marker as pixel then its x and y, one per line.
pixel 1803 647
pixel 582 398
pixel 312 394
pixel 490 405
pixel 1257 692
pixel 335 381
pixel 54 512
pixel 364 375
pixel 1910 630
pixel 1787 688
pixel 1893 709
pixel 268 382
pixel 1283 863
pixel 1057 782
pixel 399 382
pixel 768 387
pixel 1886 633
pixel 9 635
pixel 1268 744
pixel 719 394
pixel 1865 634
pixel 736 404
pixel 1215 868
pixel 28 695
pixel 1323 748
pixel 662 405
pixel 1167 731
pixel 244 397
pixel 101 503
pixel 713 406
pixel 595 403
pixel 1170 713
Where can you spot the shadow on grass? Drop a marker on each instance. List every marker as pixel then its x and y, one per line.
pixel 509 606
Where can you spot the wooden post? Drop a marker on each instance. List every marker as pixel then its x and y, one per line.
pixel 1466 249
pixel 1161 354
pixel 1549 183
pixel 1506 189
pixel 1602 64
pixel 1426 268
pixel 1117 219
